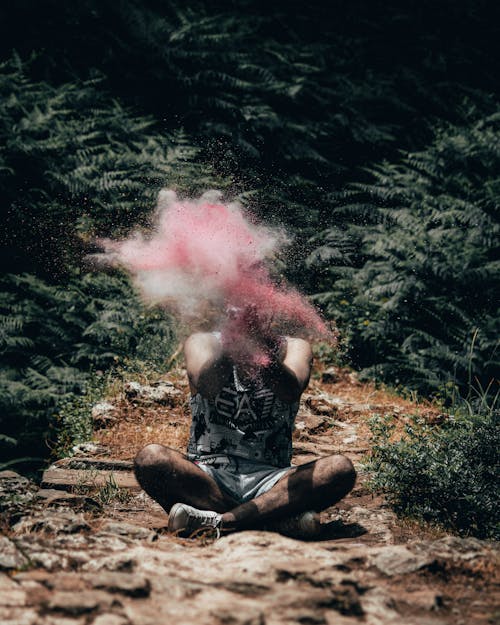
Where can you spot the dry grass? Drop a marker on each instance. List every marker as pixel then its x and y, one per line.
pixel 140 423
pixel 360 401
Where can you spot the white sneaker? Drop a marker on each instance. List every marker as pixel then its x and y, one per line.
pixel 304 525
pixel 185 520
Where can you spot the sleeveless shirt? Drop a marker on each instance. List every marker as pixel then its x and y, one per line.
pixel 246 421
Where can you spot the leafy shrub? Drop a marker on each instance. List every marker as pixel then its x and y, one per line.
pixel 75 163
pixel 286 103
pixel 72 418
pixel 411 267
pixel 51 340
pixel 446 474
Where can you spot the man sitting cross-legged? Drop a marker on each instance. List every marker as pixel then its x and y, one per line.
pixel 237 473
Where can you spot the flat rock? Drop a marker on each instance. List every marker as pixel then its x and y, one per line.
pixel 330 375
pixel 67 581
pixel 49 560
pixel 89 463
pixel 377 522
pixel 89 448
pixel 321 405
pixel 131 584
pixel 107 543
pixel 456 548
pixel 56 497
pixel 128 529
pixel 380 609
pixel 11 593
pixel 313 423
pixel 19 616
pixel 104 414
pixel 115 562
pixel 426 599
pixel 398 560
pixel 56 477
pixel 10 556
pixel 79 602
pixel 163 393
pixel 17 494
pixel 110 619
pixel 53 521
pixel 58 619
pixel 11 475
pixel 7 583
pixel 13 598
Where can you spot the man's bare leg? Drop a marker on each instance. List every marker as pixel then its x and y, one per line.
pixel 169 478
pixel 313 486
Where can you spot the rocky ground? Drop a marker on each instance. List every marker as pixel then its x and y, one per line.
pixel 89 547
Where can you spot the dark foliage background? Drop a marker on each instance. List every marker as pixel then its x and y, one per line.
pixel 370 129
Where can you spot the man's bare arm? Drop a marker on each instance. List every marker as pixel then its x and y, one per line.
pixel 289 375
pixel 207 366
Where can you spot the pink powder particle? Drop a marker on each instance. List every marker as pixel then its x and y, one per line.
pixel 207 252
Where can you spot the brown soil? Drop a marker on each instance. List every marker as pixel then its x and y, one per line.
pixel 368 566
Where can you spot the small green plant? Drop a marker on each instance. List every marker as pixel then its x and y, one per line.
pixel 110 492
pixel 104 494
pixel 74 417
pixel 447 475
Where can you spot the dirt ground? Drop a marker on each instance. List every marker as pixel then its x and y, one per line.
pixel 90 547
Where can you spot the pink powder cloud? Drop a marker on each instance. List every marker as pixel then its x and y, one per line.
pixel 207 252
